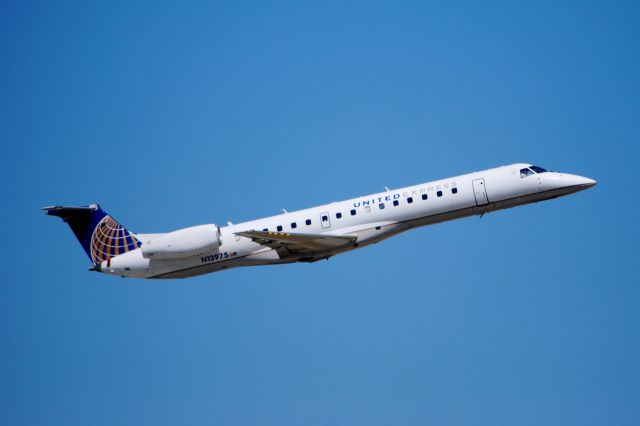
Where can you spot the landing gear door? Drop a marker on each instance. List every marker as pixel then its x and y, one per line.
pixel 480 192
pixel 325 220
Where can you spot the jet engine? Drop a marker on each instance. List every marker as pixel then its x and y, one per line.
pixel 192 241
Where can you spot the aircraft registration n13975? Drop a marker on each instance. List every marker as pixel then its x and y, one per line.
pixel 311 234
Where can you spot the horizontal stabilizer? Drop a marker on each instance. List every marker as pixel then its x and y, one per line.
pixel 78 218
pixel 67 213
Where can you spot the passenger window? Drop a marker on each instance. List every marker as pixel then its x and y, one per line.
pixel 265 230
pixel 439 193
pixel 454 190
pixel 308 221
pixel 410 200
pixel 425 196
pixel 353 212
pixel 381 205
pixel 279 228
pixel 395 202
pixel 338 215
pixel 325 218
pixel 294 225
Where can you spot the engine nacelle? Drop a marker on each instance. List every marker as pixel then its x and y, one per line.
pixel 192 241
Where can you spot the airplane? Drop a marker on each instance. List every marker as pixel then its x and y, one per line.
pixel 311 234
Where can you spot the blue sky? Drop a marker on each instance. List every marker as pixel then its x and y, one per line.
pixel 174 114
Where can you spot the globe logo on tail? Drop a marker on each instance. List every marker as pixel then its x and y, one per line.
pixel 110 239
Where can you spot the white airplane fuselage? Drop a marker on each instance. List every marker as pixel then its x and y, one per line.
pixel 364 220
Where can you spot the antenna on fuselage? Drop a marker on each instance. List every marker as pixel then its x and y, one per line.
pixel 386 188
pixel 284 211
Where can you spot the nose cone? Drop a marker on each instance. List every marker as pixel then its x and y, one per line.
pixel 564 183
pixel 580 181
pixel 572 183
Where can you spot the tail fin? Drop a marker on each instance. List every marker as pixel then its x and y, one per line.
pixel 99 234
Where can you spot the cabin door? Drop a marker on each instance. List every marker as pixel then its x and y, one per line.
pixel 480 192
pixel 325 221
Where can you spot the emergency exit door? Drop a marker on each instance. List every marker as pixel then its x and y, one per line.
pixel 480 192
pixel 324 220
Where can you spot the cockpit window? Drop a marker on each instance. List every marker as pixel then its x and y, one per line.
pixel 538 169
pixel 525 172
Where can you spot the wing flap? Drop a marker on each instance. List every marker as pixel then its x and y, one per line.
pixel 312 242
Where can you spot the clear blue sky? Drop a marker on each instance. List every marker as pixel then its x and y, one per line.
pixel 174 114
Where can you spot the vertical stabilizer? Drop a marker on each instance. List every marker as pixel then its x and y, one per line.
pixel 99 234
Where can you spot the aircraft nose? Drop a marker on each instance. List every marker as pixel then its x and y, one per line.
pixel 579 183
pixel 582 181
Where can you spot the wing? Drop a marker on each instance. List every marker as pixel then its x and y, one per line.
pixel 299 242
